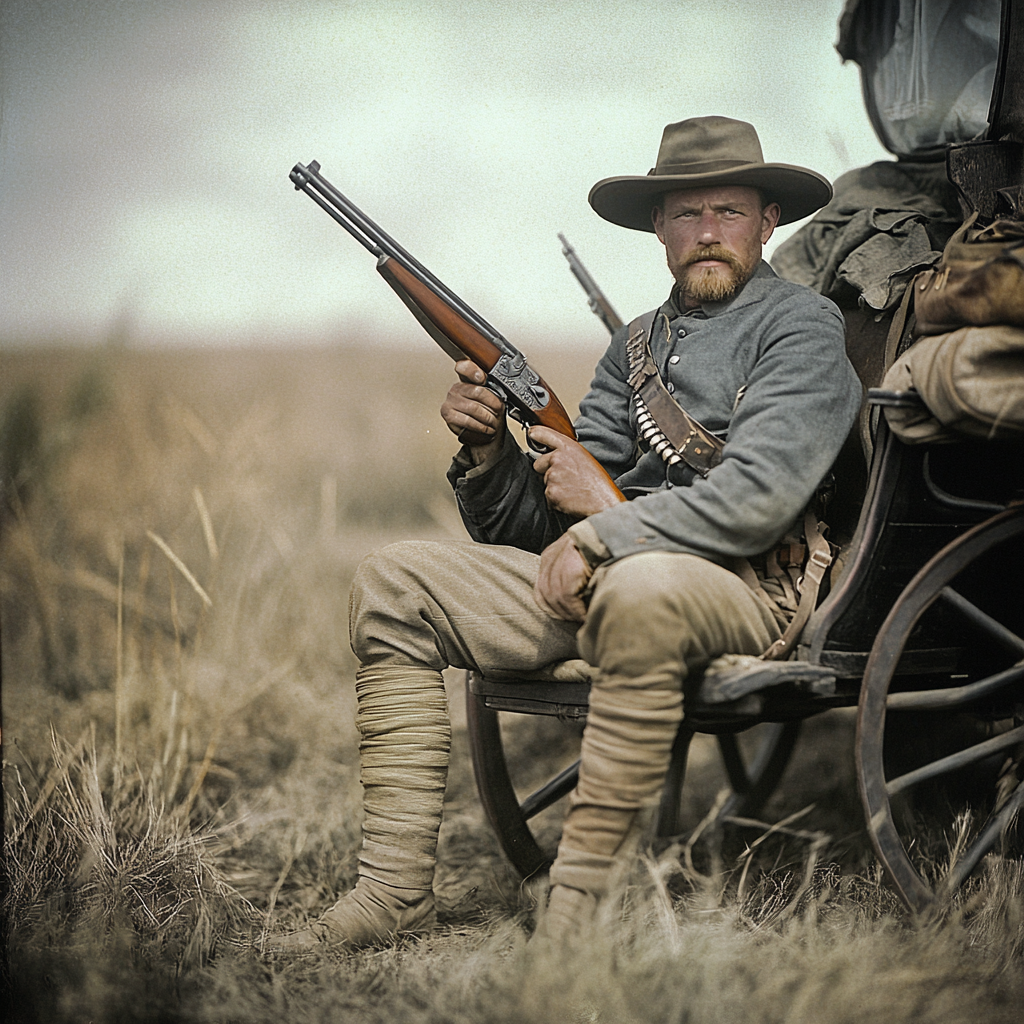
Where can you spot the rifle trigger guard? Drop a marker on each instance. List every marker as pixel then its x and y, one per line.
pixel 514 413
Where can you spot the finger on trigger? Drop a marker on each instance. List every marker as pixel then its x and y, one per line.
pixel 547 436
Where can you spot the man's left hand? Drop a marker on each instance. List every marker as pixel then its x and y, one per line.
pixel 562 579
pixel 574 482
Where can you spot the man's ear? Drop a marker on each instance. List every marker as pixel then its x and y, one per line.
pixel 769 219
pixel 658 220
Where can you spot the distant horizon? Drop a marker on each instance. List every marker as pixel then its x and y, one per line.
pixel 409 342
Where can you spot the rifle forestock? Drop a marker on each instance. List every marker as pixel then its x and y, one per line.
pixel 528 394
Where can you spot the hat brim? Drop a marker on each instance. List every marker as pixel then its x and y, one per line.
pixel 628 200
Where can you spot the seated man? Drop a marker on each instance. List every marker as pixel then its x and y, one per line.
pixel 759 363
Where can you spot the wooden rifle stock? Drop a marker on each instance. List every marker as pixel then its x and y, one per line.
pixel 454 325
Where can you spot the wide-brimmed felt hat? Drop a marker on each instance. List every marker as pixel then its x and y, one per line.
pixel 703 152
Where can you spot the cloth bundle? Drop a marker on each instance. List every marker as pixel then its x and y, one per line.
pixel 885 223
pixel 969 365
pixel 980 280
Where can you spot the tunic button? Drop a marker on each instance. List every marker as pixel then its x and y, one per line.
pixel 671 388
pixel 673 359
pixel 682 333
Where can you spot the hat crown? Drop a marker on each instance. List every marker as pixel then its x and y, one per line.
pixel 711 143
pixel 709 152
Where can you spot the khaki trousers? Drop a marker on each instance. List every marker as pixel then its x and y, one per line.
pixel 470 606
pixel 654 618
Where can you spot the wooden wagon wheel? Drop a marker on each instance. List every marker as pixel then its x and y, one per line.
pixel 999 685
pixel 753 779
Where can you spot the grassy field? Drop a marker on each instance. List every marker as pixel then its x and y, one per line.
pixel 180 768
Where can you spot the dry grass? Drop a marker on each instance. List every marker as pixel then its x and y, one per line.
pixel 180 760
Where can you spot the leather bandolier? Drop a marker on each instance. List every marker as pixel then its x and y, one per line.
pixel 663 423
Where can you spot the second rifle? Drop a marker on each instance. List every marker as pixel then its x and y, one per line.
pixel 596 298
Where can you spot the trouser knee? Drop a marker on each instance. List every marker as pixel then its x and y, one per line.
pixel 388 608
pixel 668 614
pixel 437 604
pixel 636 622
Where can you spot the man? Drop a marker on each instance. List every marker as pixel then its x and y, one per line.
pixel 755 361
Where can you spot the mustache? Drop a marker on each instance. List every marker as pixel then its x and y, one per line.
pixel 713 252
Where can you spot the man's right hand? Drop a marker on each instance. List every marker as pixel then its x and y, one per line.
pixel 475 415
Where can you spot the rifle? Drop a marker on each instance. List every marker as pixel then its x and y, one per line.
pixel 458 329
pixel 596 298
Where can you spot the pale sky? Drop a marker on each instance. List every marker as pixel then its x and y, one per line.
pixel 145 148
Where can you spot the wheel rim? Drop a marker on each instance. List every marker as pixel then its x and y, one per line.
pixel 497 795
pixel 931 583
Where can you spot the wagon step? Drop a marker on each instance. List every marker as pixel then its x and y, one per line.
pixel 733 676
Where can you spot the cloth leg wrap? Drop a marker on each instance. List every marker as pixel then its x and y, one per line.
pixel 406 736
pixel 626 750
pixel 654 619
pixel 405 740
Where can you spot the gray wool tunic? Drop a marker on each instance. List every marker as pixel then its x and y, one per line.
pixel 766 370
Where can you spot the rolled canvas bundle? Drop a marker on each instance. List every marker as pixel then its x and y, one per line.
pixel 971 380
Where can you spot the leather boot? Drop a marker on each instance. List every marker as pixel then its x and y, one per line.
pixel 627 745
pixel 405 739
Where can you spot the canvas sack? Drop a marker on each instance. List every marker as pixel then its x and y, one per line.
pixel 971 381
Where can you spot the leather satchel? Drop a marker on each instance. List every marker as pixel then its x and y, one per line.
pixel 979 281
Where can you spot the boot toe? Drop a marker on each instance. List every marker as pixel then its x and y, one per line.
pixel 296 943
pixel 568 917
pixel 352 924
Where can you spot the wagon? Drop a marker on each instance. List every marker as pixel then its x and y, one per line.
pixel 922 628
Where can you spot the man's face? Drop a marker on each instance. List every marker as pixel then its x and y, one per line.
pixel 713 238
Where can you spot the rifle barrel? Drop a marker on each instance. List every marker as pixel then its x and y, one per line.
pixel 372 237
pixel 596 299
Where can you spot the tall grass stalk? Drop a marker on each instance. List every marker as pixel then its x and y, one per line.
pixel 181 766
pixel 97 863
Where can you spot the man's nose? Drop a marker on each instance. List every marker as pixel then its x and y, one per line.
pixel 708 227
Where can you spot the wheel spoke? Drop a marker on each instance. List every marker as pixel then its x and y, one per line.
pixel 774 732
pixel 959 760
pixel 953 696
pixel 998 824
pixel 995 629
pixel 734 766
pixel 564 782
pixel 743 777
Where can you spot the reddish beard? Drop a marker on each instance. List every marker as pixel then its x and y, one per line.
pixel 711 284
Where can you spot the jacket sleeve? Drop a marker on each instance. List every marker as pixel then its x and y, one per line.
pixel 802 398
pixel 502 501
